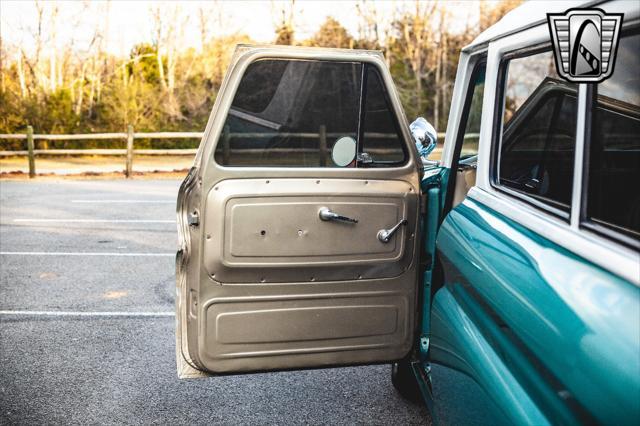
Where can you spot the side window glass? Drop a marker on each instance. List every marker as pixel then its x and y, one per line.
pixel 613 198
pixel 536 155
pixel 380 137
pixel 289 113
pixel 471 135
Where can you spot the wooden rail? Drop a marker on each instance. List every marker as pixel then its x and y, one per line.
pixel 130 136
pixel 128 152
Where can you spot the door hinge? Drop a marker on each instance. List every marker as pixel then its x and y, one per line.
pixel 193 218
pixel 423 203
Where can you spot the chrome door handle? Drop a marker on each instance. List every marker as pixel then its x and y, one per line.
pixel 384 235
pixel 326 215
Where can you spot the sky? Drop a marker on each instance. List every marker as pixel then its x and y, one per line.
pixel 129 22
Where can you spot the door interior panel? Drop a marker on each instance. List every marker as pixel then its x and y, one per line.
pixel 305 326
pixel 295 237
pixel 305 292
pixel 278 236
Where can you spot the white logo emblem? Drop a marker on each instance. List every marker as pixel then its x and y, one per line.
pixel 585 43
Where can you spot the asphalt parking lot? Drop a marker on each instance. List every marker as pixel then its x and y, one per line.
pixel 87 325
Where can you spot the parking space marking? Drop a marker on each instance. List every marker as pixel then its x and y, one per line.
pixel 81 253
pixel 172 201
pixel 92 221
pixel 105 314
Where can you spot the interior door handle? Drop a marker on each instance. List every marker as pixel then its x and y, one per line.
pixel 326 215
pixel 384 235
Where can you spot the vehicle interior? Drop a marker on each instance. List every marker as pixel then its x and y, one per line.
pixel 614 162
pixel 537 150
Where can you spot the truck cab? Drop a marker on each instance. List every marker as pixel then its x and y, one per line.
pixel 500 274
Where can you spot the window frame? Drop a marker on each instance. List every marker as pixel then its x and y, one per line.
pixel 365 66
pixel 497 134
pixel 479 61
pixel 582 220
pixel 576 217
pixel 363 120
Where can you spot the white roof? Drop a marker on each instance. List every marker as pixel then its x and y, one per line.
pixel 528 14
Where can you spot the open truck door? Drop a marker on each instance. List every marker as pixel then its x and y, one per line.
pixel 300 220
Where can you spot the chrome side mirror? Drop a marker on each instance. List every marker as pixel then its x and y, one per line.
pixel 424 136
pixel 344 151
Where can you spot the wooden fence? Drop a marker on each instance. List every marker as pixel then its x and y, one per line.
pixel 130 137
pixel 128 152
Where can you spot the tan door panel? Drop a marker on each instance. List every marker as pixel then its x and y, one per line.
pixel 286 230
pixel 330 294
pixel 277 236
pixel 274 326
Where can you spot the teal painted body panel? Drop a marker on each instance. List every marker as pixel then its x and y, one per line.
pixel 549 337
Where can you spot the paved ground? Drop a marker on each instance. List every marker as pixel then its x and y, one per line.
pixel 108 370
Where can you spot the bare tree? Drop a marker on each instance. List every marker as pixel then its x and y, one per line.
pixel 375 28
pixel 209 15
pixel 21 76
pixel 53 50
pixel 416 35
pixel 491 13
pixel 441 81
pixel 169 27
pixel 368 22
pixel 2 74
pixel 284 27
pixel 159 36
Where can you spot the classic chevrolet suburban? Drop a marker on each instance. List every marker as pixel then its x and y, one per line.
pixel 314 234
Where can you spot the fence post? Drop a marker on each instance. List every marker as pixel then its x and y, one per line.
pixel 226 145
pixel 129 165
pixel 30 148
pixel 322 133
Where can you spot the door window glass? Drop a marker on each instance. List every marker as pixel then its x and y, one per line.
pixel 380 137
pixel 290 113
pixel 613 198
pixel 536 155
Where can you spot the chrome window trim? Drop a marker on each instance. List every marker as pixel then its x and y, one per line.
pixel 578 158
pixel 600 227
pixel 530 38
pixel 495 159
pixel 603 252
pixel 536 203
pixel 534 42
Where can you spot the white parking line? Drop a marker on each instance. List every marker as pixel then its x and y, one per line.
pixel 172 201
pixel 80 253
pixel 86 314
pixel 92 221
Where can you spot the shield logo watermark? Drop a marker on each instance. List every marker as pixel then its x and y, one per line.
pixel 585 43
